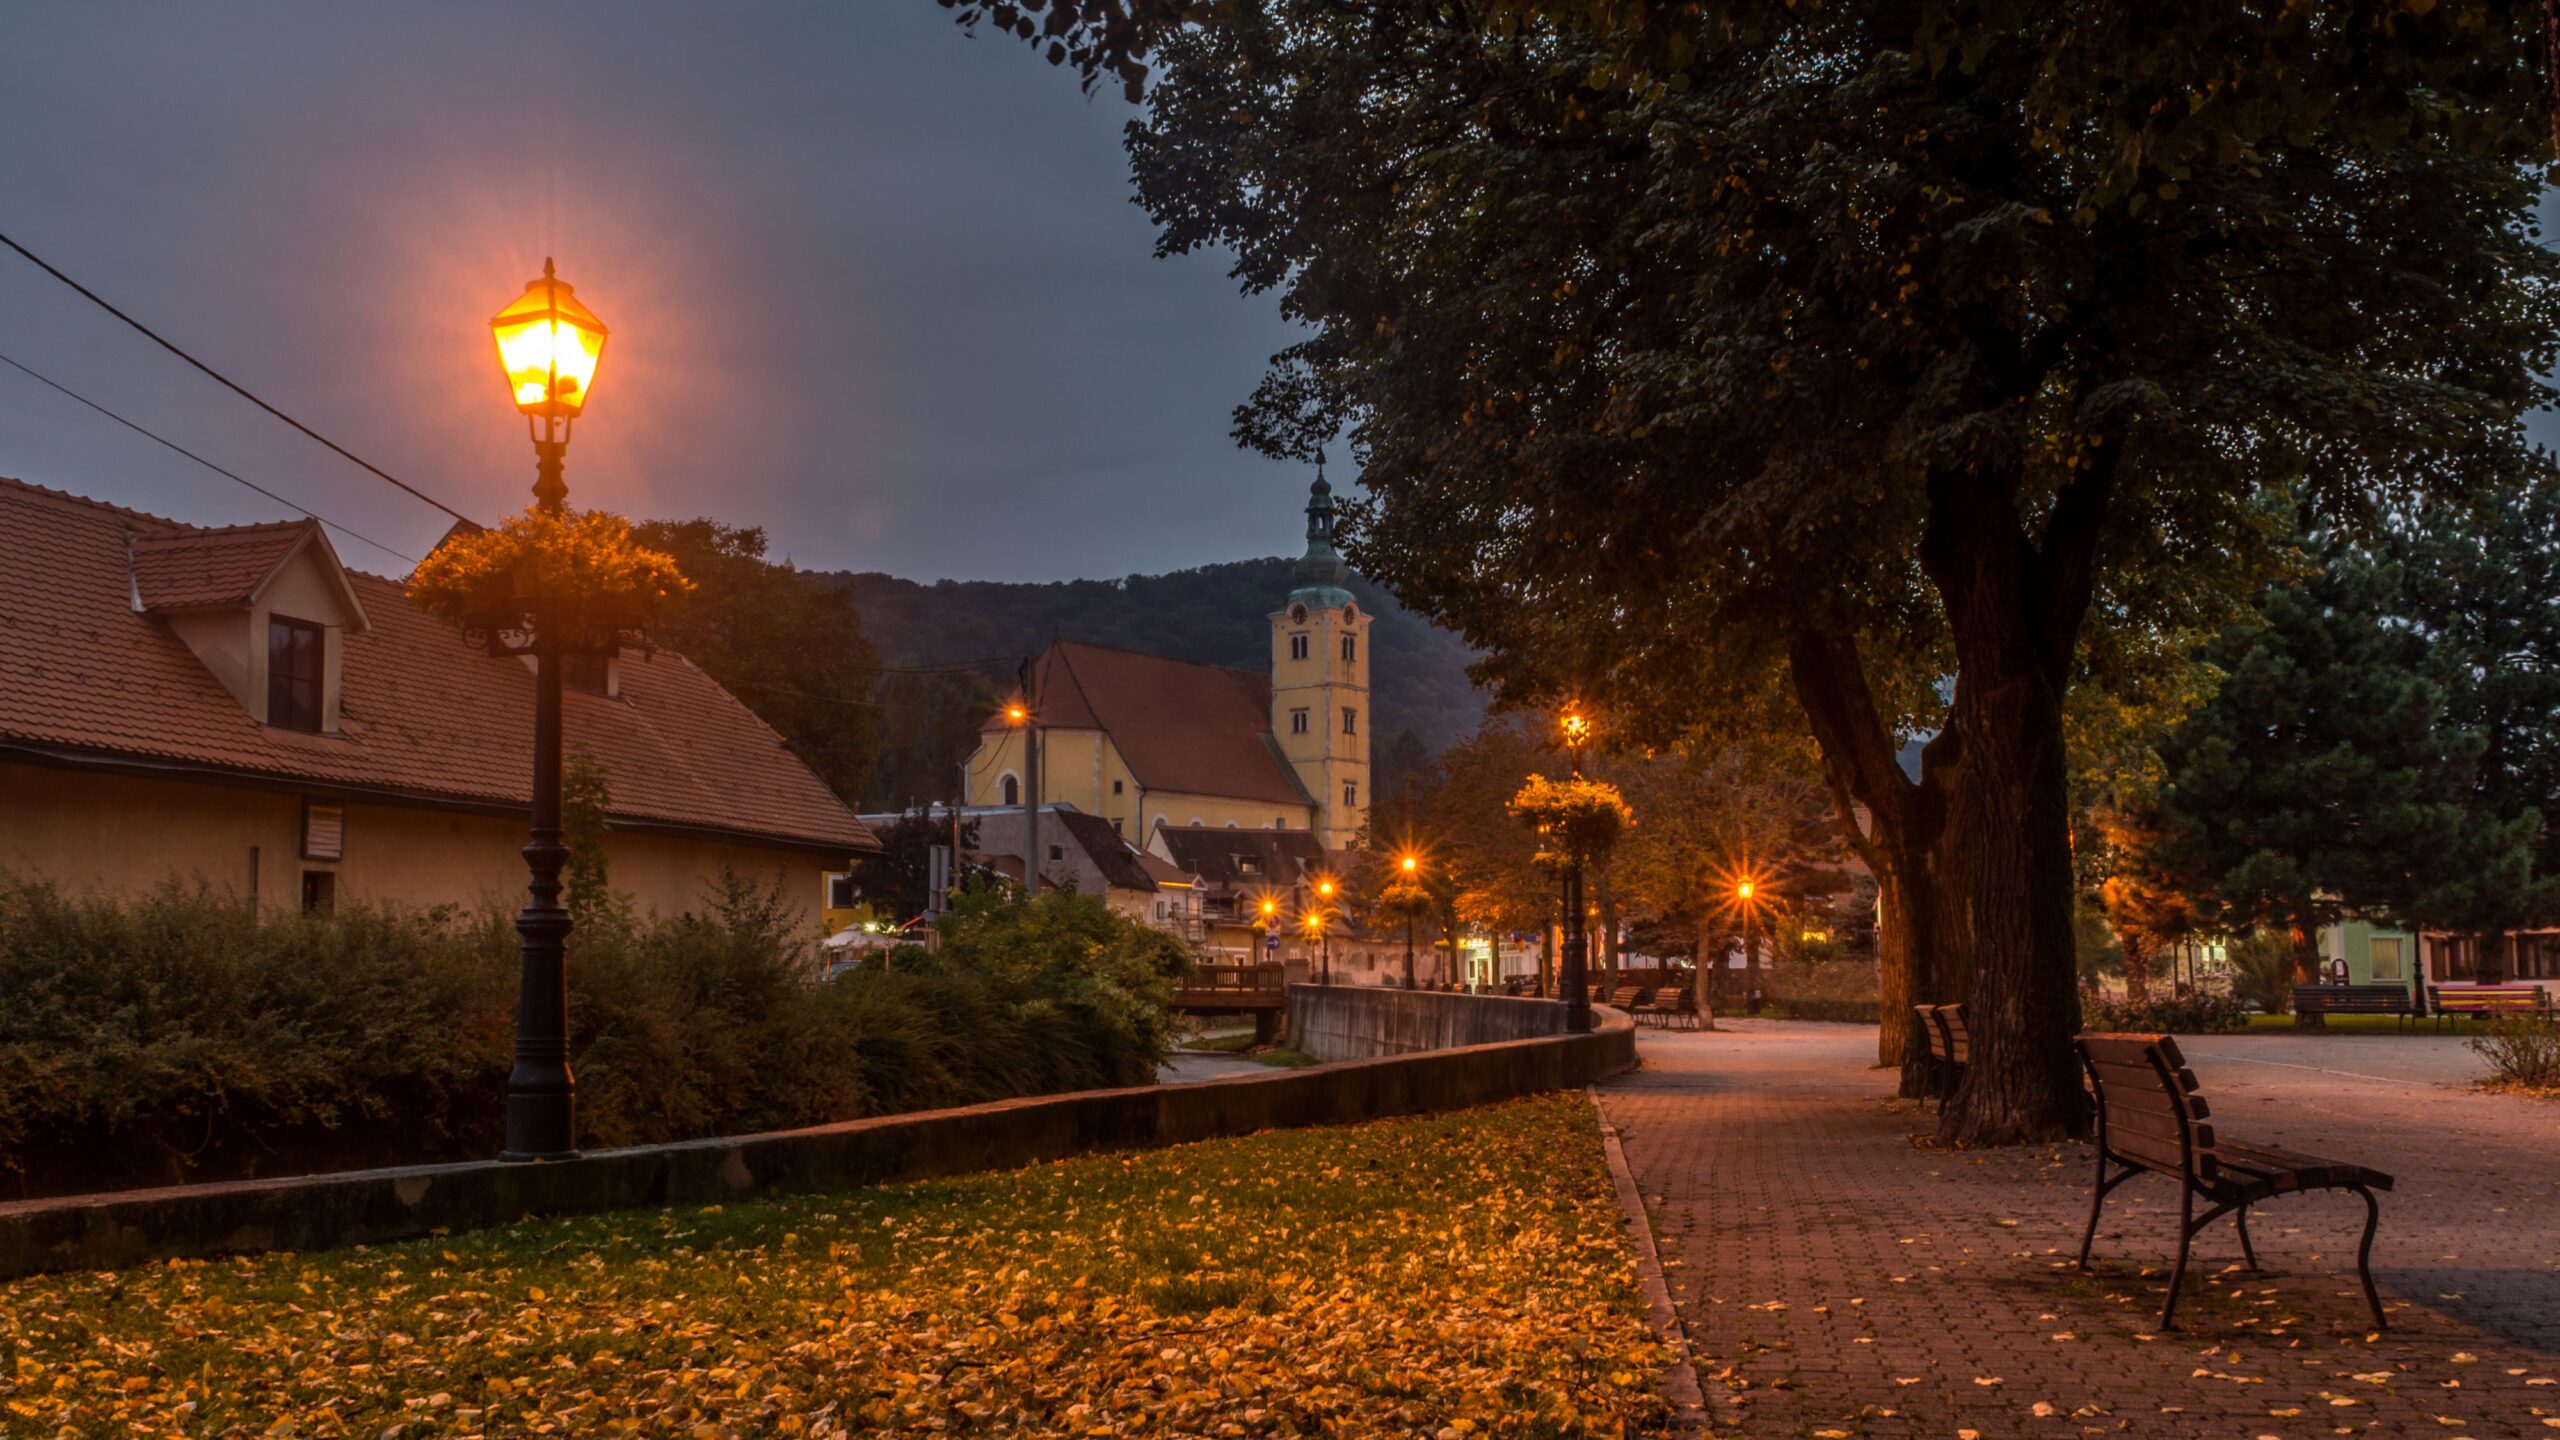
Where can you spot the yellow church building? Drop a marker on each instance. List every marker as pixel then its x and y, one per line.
pixel 1145 741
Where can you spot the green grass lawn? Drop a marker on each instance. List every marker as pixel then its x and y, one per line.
pixel 2381 1024
pixel 1228 1043
pixel 1457 1273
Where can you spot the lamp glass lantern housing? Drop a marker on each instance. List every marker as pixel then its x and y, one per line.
pixel 550 346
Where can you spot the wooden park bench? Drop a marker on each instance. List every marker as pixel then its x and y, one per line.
pixel 2326 1000
pixel 2486 1001
pixel 1950 1044
pixel 1628 997
pixel 2150 1118
pixel 1672 1007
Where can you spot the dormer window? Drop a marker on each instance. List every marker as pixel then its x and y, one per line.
pixel 297 665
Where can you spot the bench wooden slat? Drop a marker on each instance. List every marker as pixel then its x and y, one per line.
pixel 2150 1117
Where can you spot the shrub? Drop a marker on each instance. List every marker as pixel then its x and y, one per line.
pixel 182 1036
pixel 2262 970
pixel 2195 1012
pixel 2523 1051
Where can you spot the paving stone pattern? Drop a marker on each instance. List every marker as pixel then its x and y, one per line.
pixel 1841 1277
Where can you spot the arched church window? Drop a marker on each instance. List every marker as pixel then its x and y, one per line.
pixel 1012 790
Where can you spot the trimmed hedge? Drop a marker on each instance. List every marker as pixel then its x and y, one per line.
pixel 2197 1012
pixel 181 1037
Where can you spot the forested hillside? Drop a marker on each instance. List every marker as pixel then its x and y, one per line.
pixel 1219 614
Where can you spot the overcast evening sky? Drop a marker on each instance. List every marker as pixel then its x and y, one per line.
pixel 873 285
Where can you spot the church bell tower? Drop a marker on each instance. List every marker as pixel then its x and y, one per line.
pixel 1320 680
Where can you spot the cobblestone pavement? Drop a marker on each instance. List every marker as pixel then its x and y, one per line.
pixel 1839 1277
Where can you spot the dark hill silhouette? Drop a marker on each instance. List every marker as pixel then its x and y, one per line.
pixel 1216 614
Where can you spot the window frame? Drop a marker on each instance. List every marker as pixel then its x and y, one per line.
pixel 284 682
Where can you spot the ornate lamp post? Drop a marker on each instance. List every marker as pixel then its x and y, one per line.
pixel 1573 982
pixel 1316 922
pixel 549 345
pixel 1410 867
pixel 1266 916
pixel 1746 894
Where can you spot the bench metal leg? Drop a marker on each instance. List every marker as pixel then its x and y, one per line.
pixel 2098 1198
pixel 2247 1251
pixel 2186 1238
pixel 2364 1255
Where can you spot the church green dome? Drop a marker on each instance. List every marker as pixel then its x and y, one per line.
pixel 1322 575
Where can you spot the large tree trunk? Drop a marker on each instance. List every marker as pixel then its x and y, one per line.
pixel 2012 825
pixel 2013 610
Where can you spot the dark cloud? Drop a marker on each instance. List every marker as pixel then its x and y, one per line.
pixel 875 286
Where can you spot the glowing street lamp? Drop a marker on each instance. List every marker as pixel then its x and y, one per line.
pixel 1316 932
pixel 1411 865
pixel 549 345
pixel 1266 918
pixel 1574 982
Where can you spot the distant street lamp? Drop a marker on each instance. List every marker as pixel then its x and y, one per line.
pixel 1315 932
pixel 550 346
pixel 1746 893
pixel 1268 915
pixel 1574 982
pixel 1017 713
pixel 1411 865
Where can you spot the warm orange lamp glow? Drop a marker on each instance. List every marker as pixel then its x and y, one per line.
pixel 1744 889
pixel 1411 864
pixel 1577 726
pixel 1325 888
pixel 1017 713
pixel 550 345
pixel 1270 907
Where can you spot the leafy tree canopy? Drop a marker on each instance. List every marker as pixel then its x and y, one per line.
pixel 782 640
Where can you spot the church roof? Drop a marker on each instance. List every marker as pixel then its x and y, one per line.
pixel 1178 725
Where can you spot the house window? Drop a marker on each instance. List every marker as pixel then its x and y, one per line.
pixel 840 894
pixel 295 649
pixel 1350 721
pixel 1057 852
pixel 1012 791
pixel 1297 722
pixel 1350 792
pixel 319 892
pixel 1297 647
pixel 589 674
pixel 1117 785
pixel 1279 822
pixel 1115 826
pixel 1247 865
pixel 1350 647
pixel 324 832
pixel 2384 952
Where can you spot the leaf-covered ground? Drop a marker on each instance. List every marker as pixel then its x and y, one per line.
pixel 1457 1275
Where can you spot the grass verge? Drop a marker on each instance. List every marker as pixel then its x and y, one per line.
pixel 1407 1277
pixel 2376 1025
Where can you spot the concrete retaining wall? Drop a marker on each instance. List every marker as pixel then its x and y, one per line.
pixel 1361 1022
pixel 322 1212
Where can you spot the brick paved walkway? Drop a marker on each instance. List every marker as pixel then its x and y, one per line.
pixel 1837 1279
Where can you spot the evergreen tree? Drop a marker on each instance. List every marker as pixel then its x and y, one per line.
pixel 2325 776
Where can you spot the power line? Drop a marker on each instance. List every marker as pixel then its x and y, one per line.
pixel 209 465
pixel 235 387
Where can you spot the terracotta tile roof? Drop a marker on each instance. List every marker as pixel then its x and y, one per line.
pixel 1111 855
pixel 1198 729
pixel 203 569
pixel 85 677
pixel 1164 872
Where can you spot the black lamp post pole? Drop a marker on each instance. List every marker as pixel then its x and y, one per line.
pixel 1408 950
pixel 1574 982
pixel 541 1093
